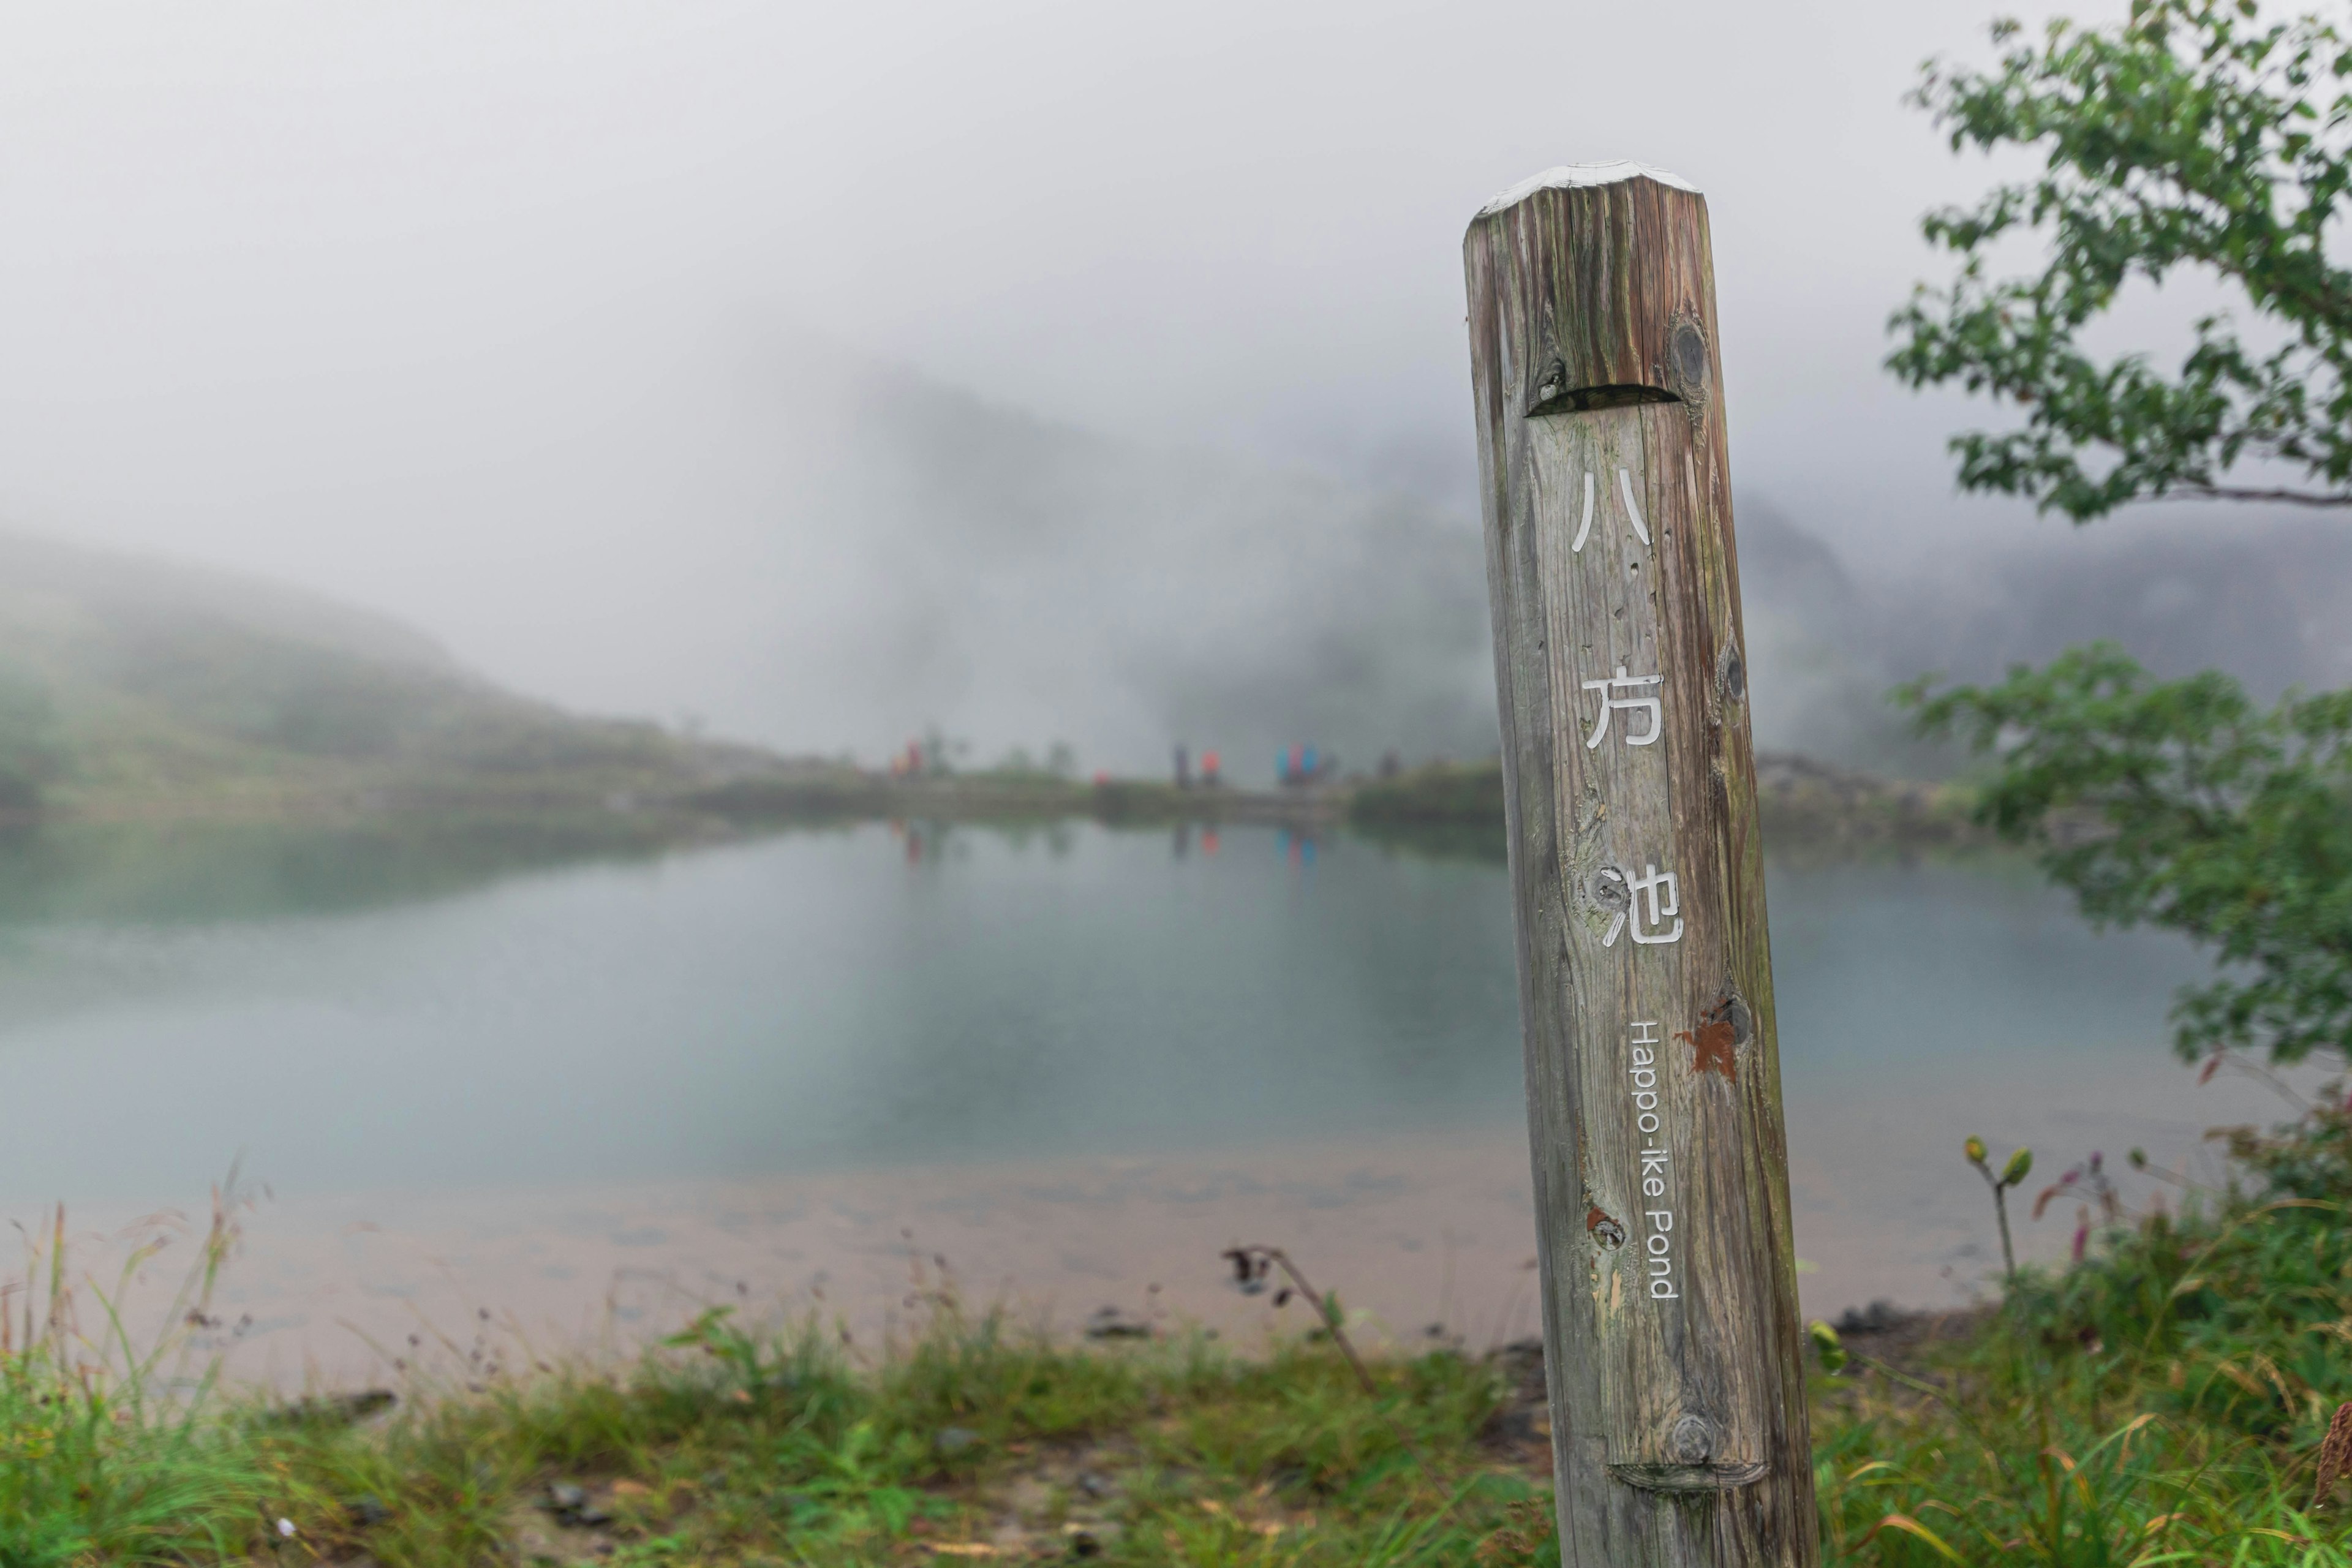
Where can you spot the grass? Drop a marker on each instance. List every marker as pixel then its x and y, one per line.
pixel 728 1446
pixel 2160 1401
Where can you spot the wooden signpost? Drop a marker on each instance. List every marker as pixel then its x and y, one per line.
pixel 1646 984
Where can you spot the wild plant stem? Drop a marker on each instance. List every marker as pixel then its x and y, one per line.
pixel 1330 1319
pixel 1339 1332
pixel 2007 1252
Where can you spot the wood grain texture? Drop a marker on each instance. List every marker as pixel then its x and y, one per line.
pixel 1669 1276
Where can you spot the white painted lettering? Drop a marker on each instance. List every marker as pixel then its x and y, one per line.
pixel 1632 512
pixel 1584 529
pixel 1662 905
pixel 1650 899
pixel 1658 1246
pixel 1650 708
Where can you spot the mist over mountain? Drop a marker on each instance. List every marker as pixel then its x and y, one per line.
pixel 2265 597
pixel 865 555
pixel 1016 581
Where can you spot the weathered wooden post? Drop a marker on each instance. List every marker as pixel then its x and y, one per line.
pixel 1646 984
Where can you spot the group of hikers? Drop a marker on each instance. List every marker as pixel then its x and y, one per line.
pixel 1294 768
pixel 1211 775
pixel 1297 766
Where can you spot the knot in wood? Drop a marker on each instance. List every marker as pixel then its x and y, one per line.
pixel 1691 1441
pixel 1688 364
pixel 1733 1009
pixel 1550 387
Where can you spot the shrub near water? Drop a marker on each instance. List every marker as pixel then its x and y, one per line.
pixel 2162 1399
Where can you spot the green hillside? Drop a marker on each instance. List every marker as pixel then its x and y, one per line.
pixel 133 688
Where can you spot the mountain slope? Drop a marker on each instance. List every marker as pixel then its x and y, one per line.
pixel 133 687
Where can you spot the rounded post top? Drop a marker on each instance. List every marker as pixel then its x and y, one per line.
pixel 1592 286
pixel 1578 176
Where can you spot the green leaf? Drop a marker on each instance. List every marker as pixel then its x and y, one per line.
pixel 2177 142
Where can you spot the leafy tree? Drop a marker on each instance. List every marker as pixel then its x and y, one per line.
pixel 2182 803
pixel 2192 139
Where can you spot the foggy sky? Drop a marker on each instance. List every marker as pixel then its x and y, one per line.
pixel 494 318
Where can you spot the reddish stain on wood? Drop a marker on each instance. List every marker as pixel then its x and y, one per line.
pixel 1711 1046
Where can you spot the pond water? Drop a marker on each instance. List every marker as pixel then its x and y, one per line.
pixel 1073 1062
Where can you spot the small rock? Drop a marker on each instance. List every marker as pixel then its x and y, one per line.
pixel 1094 1486
pixel 570 1505
pixel 337 1409
pixel 366 1510
pixel 1111 1323
pixel 953 1440
pixel 1879 1317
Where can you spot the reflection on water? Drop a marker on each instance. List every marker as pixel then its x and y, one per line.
pixel 373 1022
pixel 798 1003
pixel 171 873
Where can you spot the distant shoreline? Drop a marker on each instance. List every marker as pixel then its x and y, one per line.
pixel 1446 808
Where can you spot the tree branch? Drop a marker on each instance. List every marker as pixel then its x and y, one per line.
pixel 2233 492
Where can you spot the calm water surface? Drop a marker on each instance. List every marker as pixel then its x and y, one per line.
pixel 697 1051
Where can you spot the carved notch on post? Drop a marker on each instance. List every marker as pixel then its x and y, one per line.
pixel 1553 395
